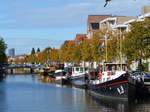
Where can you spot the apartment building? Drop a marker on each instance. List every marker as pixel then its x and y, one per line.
pixel 93 23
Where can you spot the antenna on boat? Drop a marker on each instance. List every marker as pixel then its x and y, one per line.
pixel 120 38
pixel 106 54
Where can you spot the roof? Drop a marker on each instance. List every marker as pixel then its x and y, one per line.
pixel 145 9
pixel 80 37
pixel 122 19
pixel 69 42
pixel 97 18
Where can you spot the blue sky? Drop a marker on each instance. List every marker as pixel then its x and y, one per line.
pixel 41 23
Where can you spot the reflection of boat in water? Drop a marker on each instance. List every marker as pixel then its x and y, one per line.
pixel 108 105
pixel 141 105
pixel 47 76
pixel 113 83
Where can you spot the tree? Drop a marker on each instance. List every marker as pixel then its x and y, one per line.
pixel 3 46
pixel 54 55
pixel 32 51
pixel 96 41
pixel 38 50
pixel 77 53
pixel 134 46
pixel 105 45
pixel 86 50
pixel 46 54
pixel 67 51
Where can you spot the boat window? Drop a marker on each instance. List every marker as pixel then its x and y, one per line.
pixel 81 69
pixel 77 69
pixel 86 69
pixel 108 67
pixel 103 79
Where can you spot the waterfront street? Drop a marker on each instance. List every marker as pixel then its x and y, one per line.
pixel 25 93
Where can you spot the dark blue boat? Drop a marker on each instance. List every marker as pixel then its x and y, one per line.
pixel 113 82
pixel 120 88
pixel 142 88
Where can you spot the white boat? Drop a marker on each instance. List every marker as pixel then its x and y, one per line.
pixel 78 76
pixel 60 77
pixel 110 71
pixel 77 72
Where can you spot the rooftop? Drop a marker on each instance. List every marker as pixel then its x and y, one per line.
pixel 97 18
pixel 80 37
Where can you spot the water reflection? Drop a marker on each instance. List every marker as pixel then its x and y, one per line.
pixel 103 105
pixel 3 101
pixel 141 105
pixel 28 94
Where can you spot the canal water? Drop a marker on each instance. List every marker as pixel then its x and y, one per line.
pixel 25 93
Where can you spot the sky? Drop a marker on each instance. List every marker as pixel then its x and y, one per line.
pixel 25 24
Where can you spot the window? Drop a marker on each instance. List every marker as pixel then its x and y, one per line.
pixel 77 69
pixel 95 26
pixel 103 79
pixel 81 70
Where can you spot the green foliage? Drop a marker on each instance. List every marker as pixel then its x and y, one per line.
pixel 38 50
pixel 54 55
pixel 96 48
pixel 67 52
pixel 3 46
pixel 86 50
pixel 32 51
pixel 3 58
pixel 134 46
pixel 77 54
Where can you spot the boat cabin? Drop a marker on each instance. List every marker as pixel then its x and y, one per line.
pixel 77 71
pixel 110 71
pixel 59 74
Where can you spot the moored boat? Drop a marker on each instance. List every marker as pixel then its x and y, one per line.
pixel 142 83
pixel 78 76
pixel 147 81
pixel 113 83
pixel 61 77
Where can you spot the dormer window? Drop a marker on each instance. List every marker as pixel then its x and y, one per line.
pixel 95 26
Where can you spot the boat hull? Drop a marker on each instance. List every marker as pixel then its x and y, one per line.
pixel 119 88
pixel 63 81
pixel 145 87
pixel 79 82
